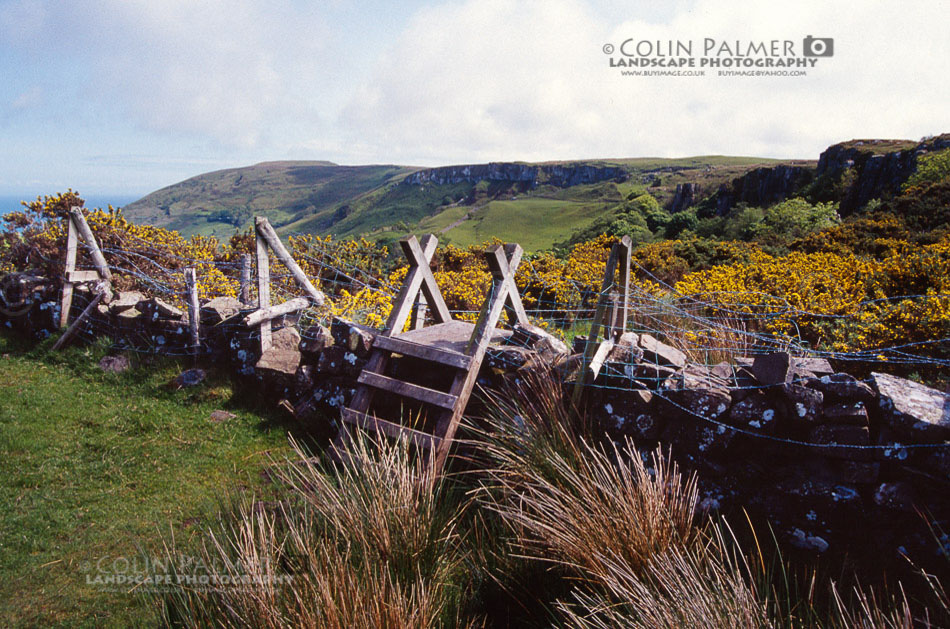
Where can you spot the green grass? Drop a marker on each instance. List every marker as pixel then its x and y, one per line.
pixel 104 465
pixel 534 223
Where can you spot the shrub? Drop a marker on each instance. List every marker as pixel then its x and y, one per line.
pixel 931 168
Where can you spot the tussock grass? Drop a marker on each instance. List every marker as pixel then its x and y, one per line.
pixel 561 528
pixel 372 543
pixel 622 523
pixel 585 506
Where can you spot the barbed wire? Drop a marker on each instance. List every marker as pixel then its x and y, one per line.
pixel 708 331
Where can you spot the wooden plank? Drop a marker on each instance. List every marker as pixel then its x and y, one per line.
pixel 98 260
pixel 66 303
pixel 83 276
pixel 245 295
pixel 376 363
pixel 501 260
pixel 600 356
pixel 409 390
pixel 270 236
pixel 453 336
pixel 191 285
pixel 593 337
pixel 71 330
pixel 263 289
pixel 626 255
pixel 425 352
pixel 370 422
pixel 272 312
pixel 430 289
pixel 410 288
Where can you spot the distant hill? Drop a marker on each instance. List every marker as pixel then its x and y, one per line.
pixel 537 204
pixel 223 201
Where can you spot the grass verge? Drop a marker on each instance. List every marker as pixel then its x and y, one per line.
pixel 98 467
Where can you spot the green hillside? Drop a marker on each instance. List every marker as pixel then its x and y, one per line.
pixel 379 203
pixel 221 202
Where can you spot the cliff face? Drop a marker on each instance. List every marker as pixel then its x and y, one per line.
pixel 685 197
pixel 875 174
pixel 762 186
pixel 562 175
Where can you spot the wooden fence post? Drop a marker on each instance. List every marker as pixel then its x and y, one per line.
pixel 245 295
pixel 191 285
pixel 263 290
pixel 610 316
pixel 66 303
pixel 418 318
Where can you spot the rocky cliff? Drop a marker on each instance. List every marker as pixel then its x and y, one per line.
pixel 762 186
pixel 561 175
pixel 685 197
pixel 862 171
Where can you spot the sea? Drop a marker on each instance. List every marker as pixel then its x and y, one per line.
pixel 11 203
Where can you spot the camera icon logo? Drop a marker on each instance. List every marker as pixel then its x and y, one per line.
pixel 818 46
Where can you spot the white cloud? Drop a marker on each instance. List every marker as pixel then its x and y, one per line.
pixel 240 81
pixel 227 70
pixel 527 79
pixel 32 97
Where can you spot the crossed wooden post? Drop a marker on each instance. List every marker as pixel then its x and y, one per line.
pixel 503 262
pixel 419 278
pixel 267 238
pixel 79 230
pixel 611 314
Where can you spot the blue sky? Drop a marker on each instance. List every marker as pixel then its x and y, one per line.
pixel 126 96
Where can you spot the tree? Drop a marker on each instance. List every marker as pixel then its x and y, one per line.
pixel 791 220
pixel 681 222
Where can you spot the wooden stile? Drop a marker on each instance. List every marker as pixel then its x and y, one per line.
pixel 447 343
pixel 78 229
pixel 267 239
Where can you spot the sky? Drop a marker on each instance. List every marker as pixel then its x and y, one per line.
pixel 127 96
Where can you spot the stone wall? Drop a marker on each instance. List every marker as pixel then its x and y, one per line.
pixel 834 462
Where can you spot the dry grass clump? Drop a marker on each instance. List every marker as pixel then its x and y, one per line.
pixel 370 544
pixel 555 525
pixel 621 523
pixel 701 586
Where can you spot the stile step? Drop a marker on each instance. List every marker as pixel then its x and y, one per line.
pixel 425 352
pixel 370 422
pixel 405 389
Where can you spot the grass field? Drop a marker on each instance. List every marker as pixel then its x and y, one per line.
pixel 100 467
pixel 534 223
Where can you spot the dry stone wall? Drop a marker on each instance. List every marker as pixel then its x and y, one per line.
pixel 833 461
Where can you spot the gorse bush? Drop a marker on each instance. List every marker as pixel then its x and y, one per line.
pixel 870 283
pixel 838 302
